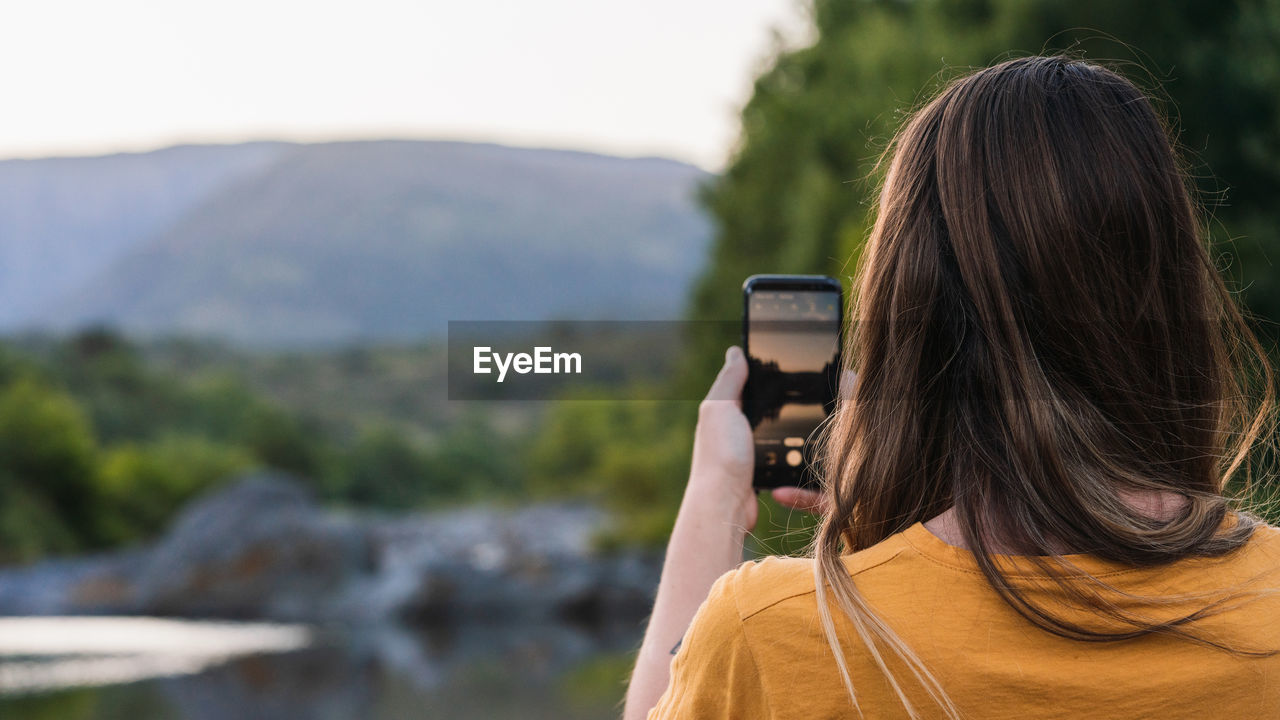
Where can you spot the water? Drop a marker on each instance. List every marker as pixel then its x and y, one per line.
pixel 201 671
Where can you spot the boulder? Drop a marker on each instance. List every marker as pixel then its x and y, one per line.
pixel 262 548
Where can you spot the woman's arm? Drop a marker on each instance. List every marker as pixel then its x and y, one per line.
pixel 718 509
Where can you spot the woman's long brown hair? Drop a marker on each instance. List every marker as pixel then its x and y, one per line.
pixel 1040 332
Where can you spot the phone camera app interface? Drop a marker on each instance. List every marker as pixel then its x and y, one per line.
pixel 793 350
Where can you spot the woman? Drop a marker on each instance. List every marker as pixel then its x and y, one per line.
pixel 1022 506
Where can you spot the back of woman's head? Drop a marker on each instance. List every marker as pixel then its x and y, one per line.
pixel 1041 336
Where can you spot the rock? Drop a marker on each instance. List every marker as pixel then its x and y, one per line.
pixel 97 584
pixel 483 564
pixel 263 548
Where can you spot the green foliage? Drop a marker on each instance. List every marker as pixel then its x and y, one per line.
pixel 282 441
pixel 633 456
pixel 222 406
pixel 143 485
pixel 336 394
pixel 797 193
pixel 101 442
pixel 106 375
pixel 795 197
pixel 382 469
pixel 48 481
pixel 386 467
pixel 473 461
pixel 31 526
pixel 600 681
pixel 780 530
pixel 79 704
pixel 61 492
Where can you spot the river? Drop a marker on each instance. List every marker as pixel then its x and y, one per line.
pixel 143 669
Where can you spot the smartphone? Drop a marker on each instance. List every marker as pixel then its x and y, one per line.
pixel 791 337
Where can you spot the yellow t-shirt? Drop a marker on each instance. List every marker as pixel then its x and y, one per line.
pixel 756 648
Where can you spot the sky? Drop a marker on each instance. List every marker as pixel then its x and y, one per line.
pixel 660 77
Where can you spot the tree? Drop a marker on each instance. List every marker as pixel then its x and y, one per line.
pixel 796 194
pixel 142 485
pixel 48 474
pixel 797 191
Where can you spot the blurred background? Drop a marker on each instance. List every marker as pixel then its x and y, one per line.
pixel 232 236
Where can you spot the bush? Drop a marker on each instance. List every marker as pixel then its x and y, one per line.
pixel 143 485
pixel 48 473
pixel 382 469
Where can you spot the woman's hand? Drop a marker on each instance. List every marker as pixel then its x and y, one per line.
pixel 723 450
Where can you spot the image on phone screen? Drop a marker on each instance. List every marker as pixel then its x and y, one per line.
pixel 793 350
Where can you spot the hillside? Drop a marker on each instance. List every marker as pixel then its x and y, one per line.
pixel 62 220
pixel 384 241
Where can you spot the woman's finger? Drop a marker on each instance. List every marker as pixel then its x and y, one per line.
pixel 799 499
pixel 733 376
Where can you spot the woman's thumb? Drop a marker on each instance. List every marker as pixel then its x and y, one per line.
pixel 732 377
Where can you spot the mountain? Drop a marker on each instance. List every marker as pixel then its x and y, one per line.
pixel 64 219
pixel 349 242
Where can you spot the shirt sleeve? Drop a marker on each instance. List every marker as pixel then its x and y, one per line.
pixel 713 674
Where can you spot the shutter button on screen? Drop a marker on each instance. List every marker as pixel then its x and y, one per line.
pixel 794 458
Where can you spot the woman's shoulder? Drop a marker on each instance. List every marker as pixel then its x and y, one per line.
pixel 761 583
pixel 1267 533
pixel 1266 541
pixel 758 585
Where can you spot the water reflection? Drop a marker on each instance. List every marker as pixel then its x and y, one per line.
pixel 472 671
pixel 50 653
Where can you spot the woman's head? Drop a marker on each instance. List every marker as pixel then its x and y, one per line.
pixel 1040 333
pixel 1040 327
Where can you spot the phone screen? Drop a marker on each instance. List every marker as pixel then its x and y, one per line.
pixel 793 351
